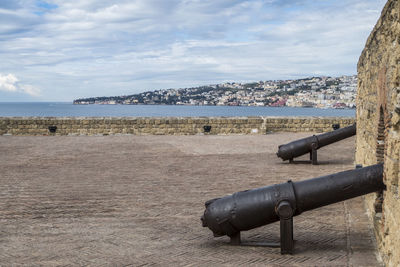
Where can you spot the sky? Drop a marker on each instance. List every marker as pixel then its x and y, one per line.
pixel 61 50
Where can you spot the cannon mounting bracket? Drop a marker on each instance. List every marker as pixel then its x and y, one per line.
pixel 313 154
pixel 235 240
pixel 285 212
pixel 285 209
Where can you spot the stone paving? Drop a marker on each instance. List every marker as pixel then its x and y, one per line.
pixel 137 201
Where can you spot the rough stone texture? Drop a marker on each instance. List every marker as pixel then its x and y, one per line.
pixel 378 124
pixel 167 126
pixel 137 201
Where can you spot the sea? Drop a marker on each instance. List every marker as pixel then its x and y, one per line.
pixel 58 109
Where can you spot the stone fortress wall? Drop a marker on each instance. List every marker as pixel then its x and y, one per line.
pixel 378 126
pixel 167 126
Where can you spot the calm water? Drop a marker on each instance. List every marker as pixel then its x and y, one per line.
pixel 70 110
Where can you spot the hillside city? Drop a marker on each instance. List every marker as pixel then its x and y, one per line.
pixel 318 92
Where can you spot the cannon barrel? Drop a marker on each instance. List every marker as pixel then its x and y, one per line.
pixel 306 145
pixel 257 207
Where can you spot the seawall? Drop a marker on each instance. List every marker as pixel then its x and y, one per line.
pixel 166 125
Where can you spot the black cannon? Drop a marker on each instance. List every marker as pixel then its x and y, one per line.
pixel 311 144
pixel 257 207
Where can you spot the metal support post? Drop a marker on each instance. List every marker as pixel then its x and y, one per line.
pixel 313 154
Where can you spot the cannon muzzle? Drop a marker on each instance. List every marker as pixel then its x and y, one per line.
pixel 313 143
pixel 249 209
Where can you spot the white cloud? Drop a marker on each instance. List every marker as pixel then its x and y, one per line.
pixel 10 83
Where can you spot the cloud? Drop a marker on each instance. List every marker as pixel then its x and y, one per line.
pixel 10 83
pixel 74 49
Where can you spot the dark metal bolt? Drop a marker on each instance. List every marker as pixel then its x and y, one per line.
pixel 284 210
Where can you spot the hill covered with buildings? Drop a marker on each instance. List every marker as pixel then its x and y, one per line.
pixel 321 92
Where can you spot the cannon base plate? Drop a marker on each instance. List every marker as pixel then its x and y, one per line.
pixel 286 244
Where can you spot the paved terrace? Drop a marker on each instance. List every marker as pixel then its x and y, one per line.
pixel 137 200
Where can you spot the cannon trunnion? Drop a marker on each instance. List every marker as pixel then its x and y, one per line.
pixel 249 209
pixel 313 143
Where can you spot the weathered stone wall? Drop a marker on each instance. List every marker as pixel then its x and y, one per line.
pixel 378 125
pixel 168 126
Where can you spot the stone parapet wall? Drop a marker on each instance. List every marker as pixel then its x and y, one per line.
pixel 167 126
pixel 378 125
pixel 305 124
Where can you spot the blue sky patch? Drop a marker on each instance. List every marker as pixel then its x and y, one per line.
pixel 45 5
